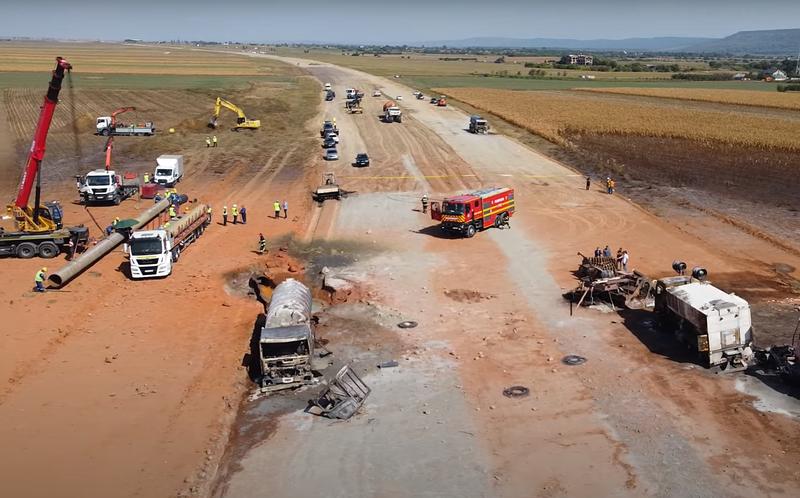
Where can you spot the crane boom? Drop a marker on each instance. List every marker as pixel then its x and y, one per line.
pixel 37 150
pixel 119 111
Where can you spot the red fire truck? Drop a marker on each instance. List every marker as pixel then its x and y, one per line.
pixel 468 213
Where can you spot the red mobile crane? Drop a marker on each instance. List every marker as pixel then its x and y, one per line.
pixel 39 229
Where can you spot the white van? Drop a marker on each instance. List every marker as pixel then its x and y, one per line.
pixel 169 170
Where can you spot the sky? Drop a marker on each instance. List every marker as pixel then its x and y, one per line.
pixel 388 21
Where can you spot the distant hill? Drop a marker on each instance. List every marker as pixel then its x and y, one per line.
pixel 767 42
pixel 659 44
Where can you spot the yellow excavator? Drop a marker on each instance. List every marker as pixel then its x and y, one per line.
pixel 242 123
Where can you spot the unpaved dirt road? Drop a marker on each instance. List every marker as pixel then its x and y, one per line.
pixel 638 419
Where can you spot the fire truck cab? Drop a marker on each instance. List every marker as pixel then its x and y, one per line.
pixel 468 213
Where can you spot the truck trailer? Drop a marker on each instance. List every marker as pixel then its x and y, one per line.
pixel 392 113
pixel 153 252
pixel 473 211
pixel 286 341
pixel 713 323
pixel 106 128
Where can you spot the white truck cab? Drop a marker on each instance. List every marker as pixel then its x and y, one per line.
pixel 100 186
pixel 169 170
pixel 150 253
pixel 327 87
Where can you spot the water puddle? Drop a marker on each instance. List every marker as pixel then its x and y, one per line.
pixel 771 395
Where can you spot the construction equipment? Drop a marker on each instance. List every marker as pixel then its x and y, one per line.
pixel 242 123
pixel 153 252
pixel 391 112
pixel 353 106
pixel 343 395
pixel 713 323
pixel 599 277
pixel 328 190
pixel 286 341
pixel 473 211
pixel 39 230
pixel 169 169
pixel 108 126
pixel 716 325
pixel 105 185
pixel 105 246
pixel 478 125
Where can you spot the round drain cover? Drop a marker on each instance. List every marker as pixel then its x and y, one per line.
pixel 573 359
pixel 408 324
pixel 516 392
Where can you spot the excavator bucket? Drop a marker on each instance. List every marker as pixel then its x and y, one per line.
pixel 212 123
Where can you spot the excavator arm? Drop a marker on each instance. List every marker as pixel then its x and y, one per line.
pixel 29 218
pixel 241 120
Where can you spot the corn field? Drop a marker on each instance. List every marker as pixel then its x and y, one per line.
pixel 554 115
pixel 739 97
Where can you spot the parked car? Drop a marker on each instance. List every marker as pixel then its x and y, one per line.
pixel 331 155
pixel 399 97
pixel 434 100
pixel 329 143
pixel 362 160
pixel 333 136
pixel 376 93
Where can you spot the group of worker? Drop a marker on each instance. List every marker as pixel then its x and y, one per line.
pixel 622 259
pixel 235 212
pixel 211 141
pixel 611 185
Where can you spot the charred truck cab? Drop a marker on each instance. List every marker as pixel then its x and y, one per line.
pixel 474 211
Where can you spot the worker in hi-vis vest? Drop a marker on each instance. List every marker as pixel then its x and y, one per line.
pixel 39 279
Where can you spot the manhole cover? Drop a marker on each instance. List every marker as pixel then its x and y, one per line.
pixel 573 360
pixel 408 324
pixel 516 392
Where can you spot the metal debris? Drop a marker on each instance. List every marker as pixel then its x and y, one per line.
pixel 343 396
pixel 516 392
pixel 408 324
pixel 388 364
pixel 573 360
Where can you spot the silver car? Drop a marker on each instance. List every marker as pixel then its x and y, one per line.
pixel 331 155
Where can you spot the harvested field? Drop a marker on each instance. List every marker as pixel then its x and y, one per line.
pixel 133 59
pixel 555 115
pixel 776 100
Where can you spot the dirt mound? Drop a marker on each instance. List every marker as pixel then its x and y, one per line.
pixel 84 123
pixel 192 124
pixel 467 296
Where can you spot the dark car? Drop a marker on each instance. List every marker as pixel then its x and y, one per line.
pixel 434 100
pixel 361 160
pixel 329 143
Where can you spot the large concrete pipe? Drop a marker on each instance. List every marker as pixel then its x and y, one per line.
pixel 105 246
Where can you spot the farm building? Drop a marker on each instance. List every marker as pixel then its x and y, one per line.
pixel 577 60
pixel 773 74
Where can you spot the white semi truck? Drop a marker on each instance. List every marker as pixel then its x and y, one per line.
pixel 169 170
pixel 153 252
pixel 715 324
